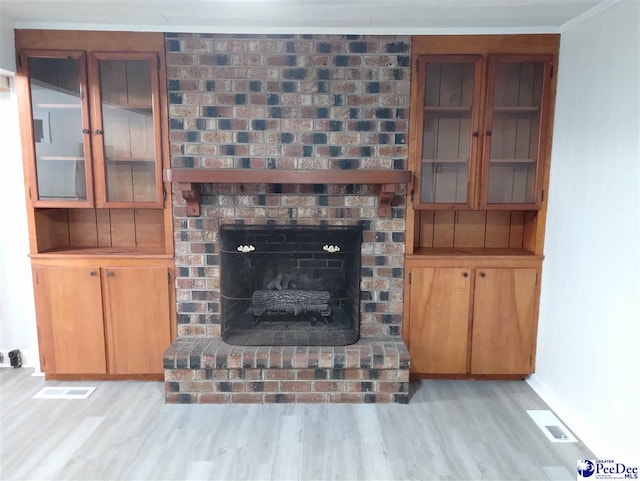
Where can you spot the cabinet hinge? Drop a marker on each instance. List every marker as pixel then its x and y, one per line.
pixel 169 278
pixel 417 66
pixel 37 279
pixel 19 60
pixel 409 277
pixel 552 70
pixel 29 192
pixel 542 197
pixel 164 194
pixel 412 195
pixel 44 361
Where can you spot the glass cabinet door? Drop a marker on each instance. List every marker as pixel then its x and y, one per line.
pixel 450 87
pixel 126 130
pixel 516 96
pixel 59 128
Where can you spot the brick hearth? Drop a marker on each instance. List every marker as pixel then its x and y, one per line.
pixel 206 370
pixel 288 102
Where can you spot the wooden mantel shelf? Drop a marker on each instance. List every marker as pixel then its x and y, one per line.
pixel 189 181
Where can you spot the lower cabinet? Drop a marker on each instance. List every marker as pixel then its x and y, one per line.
pixel 102 320
pixel 472 320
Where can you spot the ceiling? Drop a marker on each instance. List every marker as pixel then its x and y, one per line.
pixel 295 16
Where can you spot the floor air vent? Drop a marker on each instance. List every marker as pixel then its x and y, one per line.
pixel 551 426
pixel 64 392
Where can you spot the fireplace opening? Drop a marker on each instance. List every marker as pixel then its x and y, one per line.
pixel 290 285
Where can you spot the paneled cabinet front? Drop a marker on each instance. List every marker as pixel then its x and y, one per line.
pixel 472 320
pixel 93 128
pixel 102 321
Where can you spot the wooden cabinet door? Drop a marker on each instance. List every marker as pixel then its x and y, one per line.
pixel 55 127
pixel 125 115
pixel 448 97
pixel 516 124
pixel 70 327
pixel 138 322
pixel 503 321
pixel 439 320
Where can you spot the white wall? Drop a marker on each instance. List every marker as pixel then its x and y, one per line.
pixel 17 312
pixel 7 49
pixel 588 361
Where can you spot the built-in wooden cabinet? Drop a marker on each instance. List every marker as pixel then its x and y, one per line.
pixel 95 132
pixel 470 319
pixel 93 117
pixel 479 147
pixel 102 320
pixel 481 131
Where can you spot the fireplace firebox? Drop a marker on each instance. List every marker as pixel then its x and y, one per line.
pixel 290 285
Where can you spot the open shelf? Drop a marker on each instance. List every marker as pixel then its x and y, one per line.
pixel 60 157
pixel 130 159
pixel 513 161
pixel 440 108
pixel 58 106
pixel 445 161
pixel 516 110
pixel 103 251
pixel 470 251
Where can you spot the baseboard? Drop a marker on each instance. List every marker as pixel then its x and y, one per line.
pixel 576 424
pixel 29 359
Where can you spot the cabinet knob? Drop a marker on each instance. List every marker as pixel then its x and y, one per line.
pixel 475 134
pixel 109 274
pixel 93 273
pixel 98 132
pixel 86 131
pixel 482 274
pixel 465 274
pixel 488 134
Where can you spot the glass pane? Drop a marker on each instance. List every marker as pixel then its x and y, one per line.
pixel 446 132
pixel 57 128
pixel 127 116
pixel 515 132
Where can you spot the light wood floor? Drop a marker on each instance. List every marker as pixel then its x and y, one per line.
pixel 451 430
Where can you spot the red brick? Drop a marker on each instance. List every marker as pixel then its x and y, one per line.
pixel 179 374
pixel 216 137
pixel 352 374
pixel 180 398
pixel 295 386
pixel 279 398
pixel 247 398
pixel 329 386
pixel 306 374
pixel 214 398
pixel 315 397
pixel 392 387
pixel 196 386
pixel 191 330
pixel 345 398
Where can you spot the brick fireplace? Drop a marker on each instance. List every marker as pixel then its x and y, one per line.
pixel 283 103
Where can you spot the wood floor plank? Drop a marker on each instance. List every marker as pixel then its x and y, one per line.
pixel 450 430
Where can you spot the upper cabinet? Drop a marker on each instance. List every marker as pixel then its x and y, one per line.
pixel 479 129
pixel 514 131
pixel 95 133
